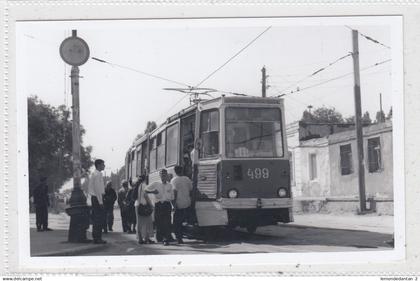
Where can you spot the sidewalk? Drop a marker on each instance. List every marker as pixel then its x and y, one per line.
pixel 54 243
pixel 369 222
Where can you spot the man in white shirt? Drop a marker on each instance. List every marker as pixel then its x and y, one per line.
pixel 163 196
pixel 96 189
pixel 182 186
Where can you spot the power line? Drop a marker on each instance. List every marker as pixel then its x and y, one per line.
pixel 234 56
pixel 141 72
pixel 369 38
pixel 316 72
pixel 172 107
pixel 341 76
pixel 335 78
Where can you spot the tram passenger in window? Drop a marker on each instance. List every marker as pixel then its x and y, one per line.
pixel 187 161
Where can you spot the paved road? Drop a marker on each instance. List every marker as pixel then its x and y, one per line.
pixel 305 237
pixel 269 239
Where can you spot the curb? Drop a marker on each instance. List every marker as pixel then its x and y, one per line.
pixel 73 252
pixel 334 228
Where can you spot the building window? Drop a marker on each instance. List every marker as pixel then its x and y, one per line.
pixel 292 168
pixel 374 155
pixel 312 166
pixel 346 159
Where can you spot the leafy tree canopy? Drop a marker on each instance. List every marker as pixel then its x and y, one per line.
pixel 322 115
pixel 380 116
pixel 150 126
pixel 50 144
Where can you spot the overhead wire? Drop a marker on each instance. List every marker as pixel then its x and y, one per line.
pixel 369 38
pixel 234 56
pixel 141 72
pixel 339 77
pixel 315 72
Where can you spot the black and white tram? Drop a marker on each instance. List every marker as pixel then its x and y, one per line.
pixel 243 176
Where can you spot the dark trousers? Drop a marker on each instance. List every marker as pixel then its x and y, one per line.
pixel 163 220
pixel 180 216
pixel 41 217
pixel 98 218
pixel 131 218
pixel 109 217
pixel 124 219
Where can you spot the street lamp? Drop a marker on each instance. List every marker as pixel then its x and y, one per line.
pixel 75 52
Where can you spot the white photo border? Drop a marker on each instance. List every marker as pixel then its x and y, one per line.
pixel 16 221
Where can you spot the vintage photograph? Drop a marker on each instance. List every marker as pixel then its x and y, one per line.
pixel 210 136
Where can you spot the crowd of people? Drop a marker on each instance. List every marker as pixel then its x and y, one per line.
pixel 145 209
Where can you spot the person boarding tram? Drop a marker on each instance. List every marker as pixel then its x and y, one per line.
pixel 164 195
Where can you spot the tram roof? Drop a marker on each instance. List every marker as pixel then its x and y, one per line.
pixel 224 99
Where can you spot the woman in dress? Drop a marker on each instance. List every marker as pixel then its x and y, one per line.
pixel 144 223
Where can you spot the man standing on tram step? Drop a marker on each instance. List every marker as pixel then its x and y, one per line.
pixel 96 188
pixel 109 199
pixel 182 186
pixel 122 195
pixel 41 201
pixel 163 195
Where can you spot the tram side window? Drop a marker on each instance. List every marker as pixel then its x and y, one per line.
pixel 209 133
pixel 139 163
pixel 160 143
pixel 133 164
pixel 127 165
pixel 153 154
pixel 172 144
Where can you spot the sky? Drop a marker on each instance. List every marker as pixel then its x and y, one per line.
pixel 116 101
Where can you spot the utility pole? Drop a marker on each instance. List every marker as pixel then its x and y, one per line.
pixel 75 52
pixel 358 119
pixel 263 82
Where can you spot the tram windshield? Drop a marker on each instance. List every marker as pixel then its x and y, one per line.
pixel 253 132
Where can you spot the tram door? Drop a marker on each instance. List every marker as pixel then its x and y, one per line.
pixel 187 143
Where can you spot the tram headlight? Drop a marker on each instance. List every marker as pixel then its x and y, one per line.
pixel 233 193
pixel 282 192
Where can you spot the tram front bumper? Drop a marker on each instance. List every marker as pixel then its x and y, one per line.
pixel 252 203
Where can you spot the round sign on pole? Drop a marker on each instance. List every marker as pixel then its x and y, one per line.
pixel 74 51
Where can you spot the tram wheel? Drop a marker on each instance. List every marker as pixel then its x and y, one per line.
pixel 251 229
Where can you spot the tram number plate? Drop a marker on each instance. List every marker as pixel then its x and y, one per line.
pixel 258 173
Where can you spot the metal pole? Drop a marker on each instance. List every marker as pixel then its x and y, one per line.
pixel 79 211
pixel 263 82
pixel 358 119
pixel 76 127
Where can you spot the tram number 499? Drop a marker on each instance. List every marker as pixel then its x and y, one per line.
pixel 258 173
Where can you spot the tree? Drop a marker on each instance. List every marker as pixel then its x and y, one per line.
pixel 322 115
pixel 365 119
pixel 150 126
pixel 380 116
pixel 389 116
pixel 50 144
